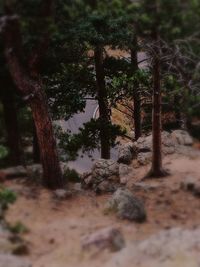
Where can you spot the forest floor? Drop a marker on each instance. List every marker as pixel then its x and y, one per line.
pixel 56 227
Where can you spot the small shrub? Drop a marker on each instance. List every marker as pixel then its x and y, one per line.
pixel 18 228
pixel 7 197
pixel 3 152
pixel 71 175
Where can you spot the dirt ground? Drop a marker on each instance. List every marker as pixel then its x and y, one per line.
pixel 56 228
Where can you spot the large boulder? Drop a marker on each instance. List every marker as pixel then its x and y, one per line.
pixel 176 141
pixel 106 176
pixel 104 168
pixel 126 206
pixel 144 144
pixel 182 137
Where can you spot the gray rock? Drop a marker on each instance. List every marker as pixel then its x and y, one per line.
pixel 125 173
pixel 144 144
pixel 191 184
pixel 168 143
pixel 182 137
pixel 126 153
pixel 7 260
pixel 105 186
pixel 105 169
pixel 169 248
pixel 104 176
pixel 86 180
pixel 76 187
pixel 144 158
pixel 13 172
pixel 126 206
pixel 35 171
pixel 62 194
pixel 106 238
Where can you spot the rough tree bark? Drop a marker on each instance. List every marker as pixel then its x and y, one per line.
pixel 104 113
pixel 11 125
pixel 136 93
pixel 32 89
pixel 36 149
pixel 156 168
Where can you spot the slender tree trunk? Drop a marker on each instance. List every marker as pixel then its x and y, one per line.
pixel 11 124
pixel 104 115
pixel 156 119
pixel 156 168
pixel 136 93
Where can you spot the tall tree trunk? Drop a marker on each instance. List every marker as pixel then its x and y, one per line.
pixel 136 93
pixel 156 120
pixel 32 91
pixel 49 157
pixel 104 115
pixel 36 149
pixel 156 168
pixel 12 130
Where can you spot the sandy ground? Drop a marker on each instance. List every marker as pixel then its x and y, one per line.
pixel 56 227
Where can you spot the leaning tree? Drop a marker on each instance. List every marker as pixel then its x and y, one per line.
pixel 25 72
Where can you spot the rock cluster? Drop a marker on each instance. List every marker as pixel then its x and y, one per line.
pixel 174 247
pixel 106 176
pixel 171 143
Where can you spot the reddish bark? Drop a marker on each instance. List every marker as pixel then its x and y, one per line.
pixel 33 92
pixel 156 120
pixel 36 149
pixel 156 168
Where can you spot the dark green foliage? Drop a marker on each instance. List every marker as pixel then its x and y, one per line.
pixel 88 138
pixel 71 175
pixel 68 73
pixel 18 228
pixel 6 197
pixel 3 152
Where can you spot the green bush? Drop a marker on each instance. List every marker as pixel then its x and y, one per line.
pixel 72 175
pixel 6 197
pixel 3 152
pixel 18 228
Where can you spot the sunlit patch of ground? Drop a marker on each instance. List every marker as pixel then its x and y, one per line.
pixel 57 227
